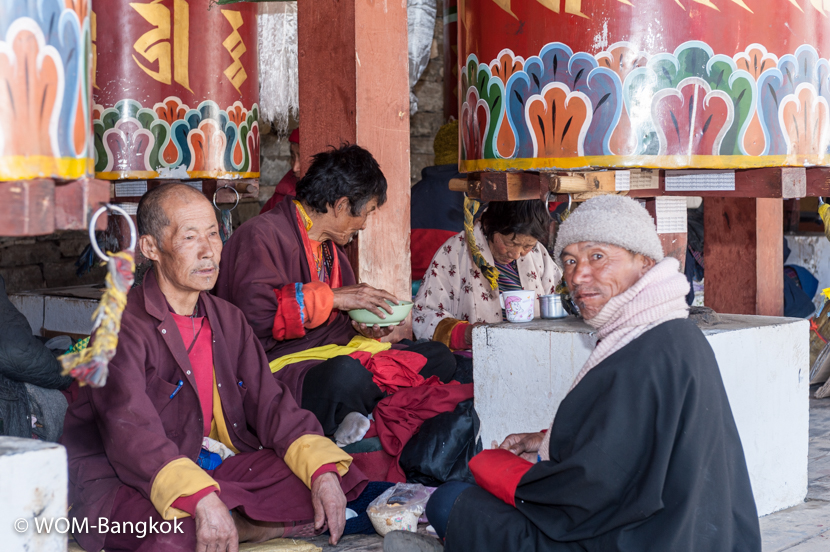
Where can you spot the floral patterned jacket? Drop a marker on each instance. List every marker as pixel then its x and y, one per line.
pixel 455 291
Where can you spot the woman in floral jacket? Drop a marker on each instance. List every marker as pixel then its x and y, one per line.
pixel 461 287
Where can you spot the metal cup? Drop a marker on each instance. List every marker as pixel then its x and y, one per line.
pixel 551 306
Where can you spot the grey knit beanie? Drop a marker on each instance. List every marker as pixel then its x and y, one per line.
pixel 612 219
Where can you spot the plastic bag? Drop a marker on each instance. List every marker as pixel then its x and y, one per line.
pixel 398 508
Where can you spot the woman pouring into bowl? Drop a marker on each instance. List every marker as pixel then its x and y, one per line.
pixel 502 254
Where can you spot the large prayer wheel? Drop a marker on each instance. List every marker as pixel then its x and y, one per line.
pixel 45 69
pixel 550 84
pixel 176 90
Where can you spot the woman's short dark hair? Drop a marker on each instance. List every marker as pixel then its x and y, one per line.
pixel 516 217
pixel 348 171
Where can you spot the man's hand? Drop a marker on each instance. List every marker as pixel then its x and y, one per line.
pixel 363 296
pixel 525 445
pixel 329 504
pixel 375 332
pixel 215 529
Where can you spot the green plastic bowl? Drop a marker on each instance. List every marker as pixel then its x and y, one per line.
pixel 399 314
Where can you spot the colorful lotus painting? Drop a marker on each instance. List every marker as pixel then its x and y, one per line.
pixel 45 76
pixel 184 103
pixel 671 93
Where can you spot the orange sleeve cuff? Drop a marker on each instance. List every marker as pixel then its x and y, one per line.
pixel 458 337
pixel 444 329
pixel 319 302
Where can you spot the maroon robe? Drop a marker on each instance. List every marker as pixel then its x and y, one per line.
pixel 125 432
pixel 266 254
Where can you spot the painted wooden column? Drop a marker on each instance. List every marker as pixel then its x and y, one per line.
pixel 354 88
pixel 744 255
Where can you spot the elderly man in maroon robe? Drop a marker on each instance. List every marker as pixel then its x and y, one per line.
pixel 190 425
pixel 287 271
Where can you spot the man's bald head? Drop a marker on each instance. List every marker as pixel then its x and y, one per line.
pixel 151 217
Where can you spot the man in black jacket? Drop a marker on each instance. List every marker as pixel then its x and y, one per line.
pixel 643 453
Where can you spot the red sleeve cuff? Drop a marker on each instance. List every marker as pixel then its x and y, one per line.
pixel 499 472
pixel 188 503
pixel 325 468
pixel 458 341
pixel 288 321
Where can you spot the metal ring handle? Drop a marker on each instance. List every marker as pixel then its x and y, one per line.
pixel 94 242
pixel 548 198
pixel 217 191
pixel 552 195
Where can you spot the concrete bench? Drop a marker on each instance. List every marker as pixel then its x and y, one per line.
pixel 523 371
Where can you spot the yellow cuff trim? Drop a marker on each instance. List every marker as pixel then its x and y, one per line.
pixel 179 477
pixel 309 452
pixel 325 352
pixel 443 331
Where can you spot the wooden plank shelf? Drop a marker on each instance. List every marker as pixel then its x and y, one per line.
pixel 42 206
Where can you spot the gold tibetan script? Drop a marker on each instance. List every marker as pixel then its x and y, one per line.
pixel 154 46
pixel 236 47
pixel 574 7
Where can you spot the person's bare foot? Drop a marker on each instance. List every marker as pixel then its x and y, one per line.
pixel 256 531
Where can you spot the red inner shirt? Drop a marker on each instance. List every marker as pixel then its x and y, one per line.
pixel 201 359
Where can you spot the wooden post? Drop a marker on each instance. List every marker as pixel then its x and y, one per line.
pixel 744 255
pixel 354 88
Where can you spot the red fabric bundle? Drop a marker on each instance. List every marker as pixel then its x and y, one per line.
pixel 400 416
pixel 393 369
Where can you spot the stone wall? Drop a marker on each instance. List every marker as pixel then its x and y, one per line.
pixel 45 261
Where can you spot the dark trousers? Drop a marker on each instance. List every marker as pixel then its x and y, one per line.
pixel 440 504
pixel 341 385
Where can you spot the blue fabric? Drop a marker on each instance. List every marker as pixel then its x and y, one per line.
pixel 809 283
pixel 208 460
pixel 433 205
pixel 298 292
pixel 441 502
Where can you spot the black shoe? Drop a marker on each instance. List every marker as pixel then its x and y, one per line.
pixel 405 541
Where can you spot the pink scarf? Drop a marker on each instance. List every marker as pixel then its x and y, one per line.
pixel 657 297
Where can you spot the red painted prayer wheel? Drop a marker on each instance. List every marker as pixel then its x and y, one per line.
pixel 176 90
pixel 45 99
pixel 550 84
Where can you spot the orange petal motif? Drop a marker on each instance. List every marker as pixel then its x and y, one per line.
pixel 31 81
pixel 622 58
pixel 558 119
pixel 505 65
pixel 207 145
pixel 805 118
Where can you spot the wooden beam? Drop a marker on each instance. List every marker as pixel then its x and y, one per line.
pixel 743 255
pixel 512 186
pixel 27 208
pixel 818 182
pixel 471 186
pixel 77 201
pixel 360 49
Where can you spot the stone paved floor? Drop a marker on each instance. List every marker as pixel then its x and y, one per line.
pixel 803 528
pixel 806 528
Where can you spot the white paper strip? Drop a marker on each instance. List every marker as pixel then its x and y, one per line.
pixel 129 208
pixel 622 181
pixel 131 188
pixel 700 181
pixel 645 179
pixel 671 215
